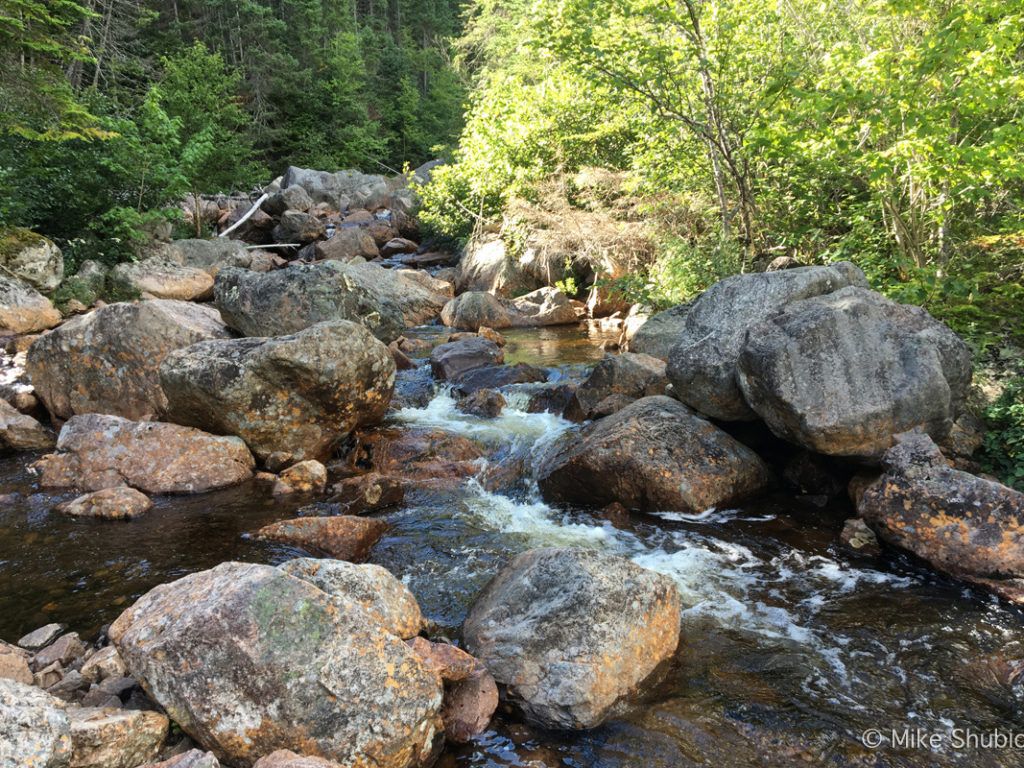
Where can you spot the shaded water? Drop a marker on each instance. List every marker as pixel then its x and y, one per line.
pixel 791 648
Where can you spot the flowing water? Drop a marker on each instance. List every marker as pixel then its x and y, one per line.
pixel 791 649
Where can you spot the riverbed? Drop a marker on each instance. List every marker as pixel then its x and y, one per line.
pixel 792 647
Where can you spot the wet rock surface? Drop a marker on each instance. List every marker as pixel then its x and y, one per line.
pixel 344 537
pixel 299 394
pixel 571 632
pixel 654 454
pixel 615 382
pixel 120 503
pixel 451 361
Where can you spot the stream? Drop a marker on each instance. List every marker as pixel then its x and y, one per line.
pixel 791 647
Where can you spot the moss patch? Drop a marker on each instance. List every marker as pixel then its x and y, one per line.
pixel 16 239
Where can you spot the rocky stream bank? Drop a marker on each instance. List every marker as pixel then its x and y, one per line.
pixel 337 506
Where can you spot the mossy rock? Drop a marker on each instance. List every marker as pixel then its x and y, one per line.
pixel 32 258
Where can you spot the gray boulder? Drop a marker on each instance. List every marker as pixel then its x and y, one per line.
pixel 298 227
pixel 293 198
pixel 842 374
pixel 33 258
pixel 108 361
pixel 298 395
pixel 660 333
pixel 248 660
pixel 96 452
pixel 293 299
pixel 34 728
pixel 348 244
pixel 702 365
pixel 615 382
pixel 572 633
pixel 208 255
pixel 341 190
pixel 23 309
pixel 654 454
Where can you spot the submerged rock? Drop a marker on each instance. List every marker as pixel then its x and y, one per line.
pixel 299 395
pixel 843 374
pixel 496 376
pixel 96 452
pixel 344 537
pixel 964 525
pixel 365 493
pixel 385 599
pixel 23 309
pixel 19 432
pixel 571 633
pixel 34 728
pixel 249 660
pixel 121 503
pixel 485 403
pixel 702 365
pixel 108 361
pixel 615 382
pixel 654 454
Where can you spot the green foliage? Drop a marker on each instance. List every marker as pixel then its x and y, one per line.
pixel 1003 451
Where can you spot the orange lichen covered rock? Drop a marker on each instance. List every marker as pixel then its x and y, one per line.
pixel 249 660
pixel 964 525
pixel 345 537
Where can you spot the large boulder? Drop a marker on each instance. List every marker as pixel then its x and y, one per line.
pixel 290 300
pixel 115 738
pixel 615 382
pixel 164 279
pixel 474 309
pixel 964 525
pixel 572 632
pixel 108 361
pixel 95 451
pixel 34 728
pixel 488 265
pixel 19 432
pixel 659 334
pixel 375 589
pixel 248 660
pixel 23 309
pixel 702 365
pixel 208 255
pixel 347 243
pixel 298 394
pixel 842 374
pixel 32 258
pixel 654 454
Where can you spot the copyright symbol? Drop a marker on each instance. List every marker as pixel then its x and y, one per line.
pixel 872 738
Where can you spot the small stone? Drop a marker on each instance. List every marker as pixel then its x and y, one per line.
pixel 858 537
pixel 194 758
pixel 120 503
pixel 106 662
pixel 66 649
pixel 94 697
pixel 39 639
pixel 117 686
pixel 48 676
pixel 491 335
pixel 278 460
pixel 305 477
pixel 14 664
pixel 115 738
pixel 68 686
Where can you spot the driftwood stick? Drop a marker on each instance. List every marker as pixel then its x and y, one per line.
pixel 245 218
